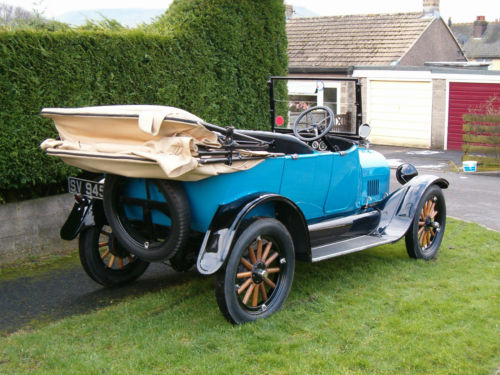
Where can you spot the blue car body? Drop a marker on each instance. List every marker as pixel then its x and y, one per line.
pixel 321 184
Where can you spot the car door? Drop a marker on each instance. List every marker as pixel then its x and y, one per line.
pixel 344 184
pixel 306 179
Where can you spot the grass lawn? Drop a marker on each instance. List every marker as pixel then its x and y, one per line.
pixel 374 312
pixel 32 266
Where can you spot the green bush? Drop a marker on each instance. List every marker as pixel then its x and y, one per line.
pixel 212 58
pixel 241 43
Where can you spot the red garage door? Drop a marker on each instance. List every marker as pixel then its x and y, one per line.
pixel 464 96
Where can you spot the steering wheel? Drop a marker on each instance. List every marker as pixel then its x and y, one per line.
pixel 314 123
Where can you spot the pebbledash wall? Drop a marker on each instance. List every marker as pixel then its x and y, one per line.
pixel 31 228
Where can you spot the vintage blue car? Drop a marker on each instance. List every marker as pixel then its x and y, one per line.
pixel 318 194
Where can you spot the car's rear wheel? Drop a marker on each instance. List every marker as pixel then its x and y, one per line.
pixel 258 275
pixel 105 260
pixel 427 229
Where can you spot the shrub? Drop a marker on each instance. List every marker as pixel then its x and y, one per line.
pixel 212 58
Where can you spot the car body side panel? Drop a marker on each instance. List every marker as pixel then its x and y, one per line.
pixel 306 179
pixel 375 176
pixel 303 179
pixel 344 186
pixel 207 195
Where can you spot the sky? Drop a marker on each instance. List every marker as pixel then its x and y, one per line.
pixel 459 11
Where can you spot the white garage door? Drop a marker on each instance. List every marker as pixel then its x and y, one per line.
pixel 400 112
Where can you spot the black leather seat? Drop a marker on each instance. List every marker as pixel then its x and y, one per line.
pixel 283 143
pixel 337 144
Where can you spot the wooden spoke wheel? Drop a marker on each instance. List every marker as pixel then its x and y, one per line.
pixel 112 253
pixel 259 272
pixel 105 260
pixel 427 226
pixel 426 232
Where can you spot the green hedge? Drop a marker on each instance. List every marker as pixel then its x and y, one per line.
pixel 213 59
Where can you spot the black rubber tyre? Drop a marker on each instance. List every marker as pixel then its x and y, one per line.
pixel 105 261
pixel 149 241
pixel 186 257
pixel 427 229
pixel 257 277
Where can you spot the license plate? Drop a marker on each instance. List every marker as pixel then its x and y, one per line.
pixel 90 189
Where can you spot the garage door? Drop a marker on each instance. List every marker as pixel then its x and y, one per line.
pixel 400 112
pixel 463 97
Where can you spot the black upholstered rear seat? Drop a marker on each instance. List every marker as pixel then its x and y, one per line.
pixel 283 143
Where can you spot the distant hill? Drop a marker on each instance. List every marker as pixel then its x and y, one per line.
pixel 133 16
pixel 303 12
pixel 127 17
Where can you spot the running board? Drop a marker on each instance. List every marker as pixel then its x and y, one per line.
pixel 351 245
pixel 343 221
pixel 343 228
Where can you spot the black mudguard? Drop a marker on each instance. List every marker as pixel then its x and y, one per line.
pixel 399 208
pixel 221 234
pixel 85 213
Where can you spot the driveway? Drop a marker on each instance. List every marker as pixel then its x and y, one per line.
pixel 471 196
pixel 51 295
pixel 424 160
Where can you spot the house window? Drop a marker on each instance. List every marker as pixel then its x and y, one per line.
pixel 306 94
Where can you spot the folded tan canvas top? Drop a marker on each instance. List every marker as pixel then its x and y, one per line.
pixel 138 141
pixel 131 124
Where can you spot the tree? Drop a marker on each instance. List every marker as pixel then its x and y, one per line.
pixel 14 17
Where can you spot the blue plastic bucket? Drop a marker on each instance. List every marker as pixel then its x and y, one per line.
pixel 469 166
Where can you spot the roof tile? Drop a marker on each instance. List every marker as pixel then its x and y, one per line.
pixel 486 47
pixel 342 41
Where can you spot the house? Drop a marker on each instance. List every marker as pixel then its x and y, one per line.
pixel 414 74
pixel 340 42
pixel 480 40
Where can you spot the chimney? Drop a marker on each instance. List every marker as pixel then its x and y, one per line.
pixel 289 11
pixel 480 25
pixel 431 9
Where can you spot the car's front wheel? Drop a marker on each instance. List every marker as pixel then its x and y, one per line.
pixel 427 229
pixel 258 275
